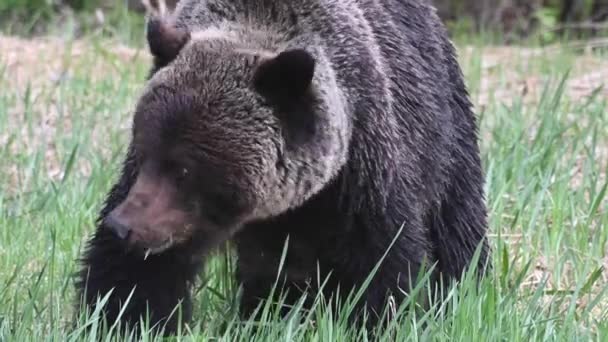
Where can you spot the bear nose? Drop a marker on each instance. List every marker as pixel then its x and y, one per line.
pixel 117 226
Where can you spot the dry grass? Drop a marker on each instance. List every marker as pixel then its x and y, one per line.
pixel 39 65
pixel 36 68
pixel 512 73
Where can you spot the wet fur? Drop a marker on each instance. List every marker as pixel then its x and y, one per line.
pixel 389 140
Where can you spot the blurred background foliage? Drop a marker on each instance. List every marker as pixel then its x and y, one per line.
pixel 514 20
pixel 509 21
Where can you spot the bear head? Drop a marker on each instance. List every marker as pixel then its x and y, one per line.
pixel 224 134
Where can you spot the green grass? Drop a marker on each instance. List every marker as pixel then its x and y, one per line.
pixel 61 143
pixel 71 18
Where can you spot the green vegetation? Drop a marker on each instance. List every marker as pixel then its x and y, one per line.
pixel 64 124
pixel 71 18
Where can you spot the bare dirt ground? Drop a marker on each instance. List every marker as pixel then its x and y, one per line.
pixel 40 61
pixel 43 61
pixel 517 78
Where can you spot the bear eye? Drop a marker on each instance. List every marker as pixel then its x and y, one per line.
pixel 182 174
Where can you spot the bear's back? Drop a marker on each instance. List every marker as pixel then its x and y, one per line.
pixel 393 64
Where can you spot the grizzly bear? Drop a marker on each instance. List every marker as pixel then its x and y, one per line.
pixel 342 126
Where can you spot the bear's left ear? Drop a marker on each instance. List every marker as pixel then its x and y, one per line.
pixel 285 76
pixel 164 41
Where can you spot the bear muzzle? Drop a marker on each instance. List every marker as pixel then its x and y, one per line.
pixel 149 219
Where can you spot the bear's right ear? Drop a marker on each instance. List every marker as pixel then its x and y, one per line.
pixel 286 76
pixel 164 41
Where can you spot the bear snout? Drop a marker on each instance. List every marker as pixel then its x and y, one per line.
pixel 145 230
pixel 117 226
